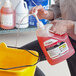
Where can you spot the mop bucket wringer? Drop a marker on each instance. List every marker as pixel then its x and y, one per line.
pixel 17 62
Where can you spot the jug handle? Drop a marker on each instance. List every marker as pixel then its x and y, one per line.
pixel 25 4
pixel 48 27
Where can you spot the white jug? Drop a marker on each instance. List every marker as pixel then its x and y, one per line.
pixel 22 15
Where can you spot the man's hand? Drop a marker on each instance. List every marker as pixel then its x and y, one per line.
pixel 62 26
pixel 42 13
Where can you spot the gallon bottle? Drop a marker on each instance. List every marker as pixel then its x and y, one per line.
pixel 56 48
pixel 22 15
pixel 7 16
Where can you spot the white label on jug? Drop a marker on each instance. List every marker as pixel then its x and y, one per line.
pixel 7 19
pixel 49 42
pixel 57 50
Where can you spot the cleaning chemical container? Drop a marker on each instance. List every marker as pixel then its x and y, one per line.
pixel 17 62
pixel 22 13
pixel 55 47
pixel 33 3
pixel 7 15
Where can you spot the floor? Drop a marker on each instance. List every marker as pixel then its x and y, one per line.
pixel 60 69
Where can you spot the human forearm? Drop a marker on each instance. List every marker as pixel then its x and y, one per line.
pixel 55 10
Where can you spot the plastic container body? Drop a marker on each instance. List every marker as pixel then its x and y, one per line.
pixel 22 15
pixel 11 57
pixel 32 19
pixel 56 48
pixel 7 16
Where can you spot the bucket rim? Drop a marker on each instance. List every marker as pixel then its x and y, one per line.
pixel 32 52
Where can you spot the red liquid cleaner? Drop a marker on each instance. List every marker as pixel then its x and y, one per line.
pixel 56 48
pixel 7 16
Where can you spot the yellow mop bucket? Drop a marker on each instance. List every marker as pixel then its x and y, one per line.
pixel 17 62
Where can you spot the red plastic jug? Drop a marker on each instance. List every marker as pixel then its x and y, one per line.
pixel 56 48
pixel 7 16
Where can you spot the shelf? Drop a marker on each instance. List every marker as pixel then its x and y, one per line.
pixel 15 30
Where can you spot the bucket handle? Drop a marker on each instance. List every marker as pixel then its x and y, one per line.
pixel 24 65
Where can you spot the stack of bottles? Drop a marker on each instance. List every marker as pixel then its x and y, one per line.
pixel 10 18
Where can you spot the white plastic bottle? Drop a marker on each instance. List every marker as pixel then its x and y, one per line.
pixel 22 15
